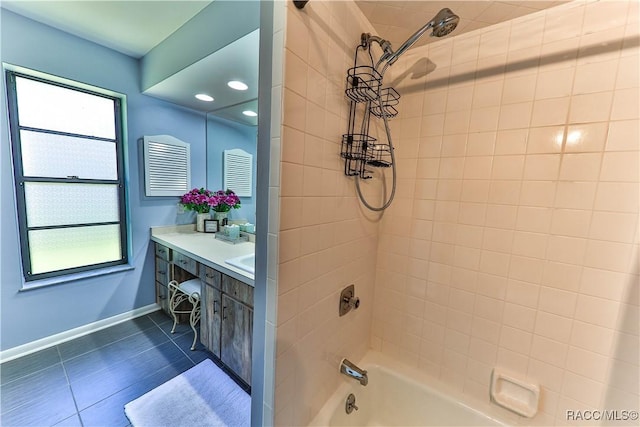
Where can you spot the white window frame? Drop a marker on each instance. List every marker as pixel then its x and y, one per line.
pixel 52 277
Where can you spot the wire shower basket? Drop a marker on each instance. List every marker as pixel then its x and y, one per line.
pixel 367 97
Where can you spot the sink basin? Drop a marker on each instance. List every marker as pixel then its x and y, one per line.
pixel 244 262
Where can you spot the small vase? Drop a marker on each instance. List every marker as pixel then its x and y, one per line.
pixel 200 217
pixel 221 217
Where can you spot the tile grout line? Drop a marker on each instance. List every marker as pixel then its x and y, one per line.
pixel 171 338
pixel 34 372
pixel 73 396
pixel 105 345
pixel 224 369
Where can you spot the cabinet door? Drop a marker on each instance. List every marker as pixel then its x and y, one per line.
pixel 237 329
pixel 210 320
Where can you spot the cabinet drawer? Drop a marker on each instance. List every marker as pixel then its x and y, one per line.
pixel 185 263
pixel 238 290
pixel 162 271
pixel 163 252
pixel 162 297
pixel 211 276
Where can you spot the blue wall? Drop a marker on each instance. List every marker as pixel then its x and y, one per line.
pixel 226 135
pixel 34 314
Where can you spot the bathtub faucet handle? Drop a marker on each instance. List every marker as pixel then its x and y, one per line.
pixel 350 404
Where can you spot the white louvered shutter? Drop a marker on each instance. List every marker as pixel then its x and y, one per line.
pixel 238 172
pixel 167 166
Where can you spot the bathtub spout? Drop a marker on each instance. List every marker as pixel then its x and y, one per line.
pixel 351 370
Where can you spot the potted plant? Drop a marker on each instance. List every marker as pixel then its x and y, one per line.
pixel 203 201
pixel 222 202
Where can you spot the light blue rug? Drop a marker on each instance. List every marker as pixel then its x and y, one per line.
pixel 202 396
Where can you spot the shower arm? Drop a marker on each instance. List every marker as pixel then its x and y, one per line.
pixel 388 55
pixel 385 45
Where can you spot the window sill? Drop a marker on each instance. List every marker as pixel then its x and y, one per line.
pixel 37 284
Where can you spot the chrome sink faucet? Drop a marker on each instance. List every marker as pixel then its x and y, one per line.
pixel 351 370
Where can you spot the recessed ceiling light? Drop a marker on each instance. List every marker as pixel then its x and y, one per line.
pixel 249 113
pixel 237 85
pixel 204 97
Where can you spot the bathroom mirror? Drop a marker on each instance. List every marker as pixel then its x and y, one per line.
pixel 227 129
pixel 229 76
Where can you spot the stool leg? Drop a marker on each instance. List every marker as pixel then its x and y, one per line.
pixel 193 320
pixel 173 291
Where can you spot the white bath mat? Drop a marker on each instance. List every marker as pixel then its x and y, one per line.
pixel 201 396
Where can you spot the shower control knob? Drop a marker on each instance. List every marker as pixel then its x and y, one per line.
pixel 354 302
pixel 348 300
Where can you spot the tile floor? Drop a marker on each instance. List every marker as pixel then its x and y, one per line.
pixel 87 381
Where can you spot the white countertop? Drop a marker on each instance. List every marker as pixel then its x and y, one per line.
pixel 205 248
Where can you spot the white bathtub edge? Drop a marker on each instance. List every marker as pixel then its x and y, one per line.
pixel 410 374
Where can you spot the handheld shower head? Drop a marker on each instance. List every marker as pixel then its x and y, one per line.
pixel 443 23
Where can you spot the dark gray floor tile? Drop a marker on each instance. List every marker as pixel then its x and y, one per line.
pixel 35 387
pixel 29 364
pixel 48 410
pixel 184 341
pixel 110 411
pixel 73 421
pixel 159 317
pixel 104 383
pixel 181 328
pixel 104 357
pixel 104 337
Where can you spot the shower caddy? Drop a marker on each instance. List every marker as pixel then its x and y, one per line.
pixel 367 97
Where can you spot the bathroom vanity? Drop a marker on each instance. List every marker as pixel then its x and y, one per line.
pixel 226 323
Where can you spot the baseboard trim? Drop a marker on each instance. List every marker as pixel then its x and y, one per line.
pixel 37 345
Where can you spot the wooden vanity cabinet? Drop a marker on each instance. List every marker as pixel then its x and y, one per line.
pixel 211 317
pixel 163 276
pixel 226 322
pixel 228 329
pixel 235 337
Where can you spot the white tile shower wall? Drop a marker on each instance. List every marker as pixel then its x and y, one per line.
pixel 514 239
pixel 325 240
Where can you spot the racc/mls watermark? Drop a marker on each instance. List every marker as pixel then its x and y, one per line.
pixel 604 415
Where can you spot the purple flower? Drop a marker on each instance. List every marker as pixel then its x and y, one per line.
pixel 202 200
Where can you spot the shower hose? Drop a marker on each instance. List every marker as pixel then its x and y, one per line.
pixel 393 165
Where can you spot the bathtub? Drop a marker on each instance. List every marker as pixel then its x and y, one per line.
pixel 398 396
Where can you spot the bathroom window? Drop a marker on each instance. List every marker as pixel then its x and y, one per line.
pixel 67 151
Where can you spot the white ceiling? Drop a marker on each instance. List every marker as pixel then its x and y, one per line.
pixel 130 27
pixel 236 61
pixel 136 27
pixel 397 20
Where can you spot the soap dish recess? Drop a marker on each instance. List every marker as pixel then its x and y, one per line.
pixel 514 394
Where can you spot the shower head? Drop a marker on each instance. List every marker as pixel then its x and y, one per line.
pixel 443 23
